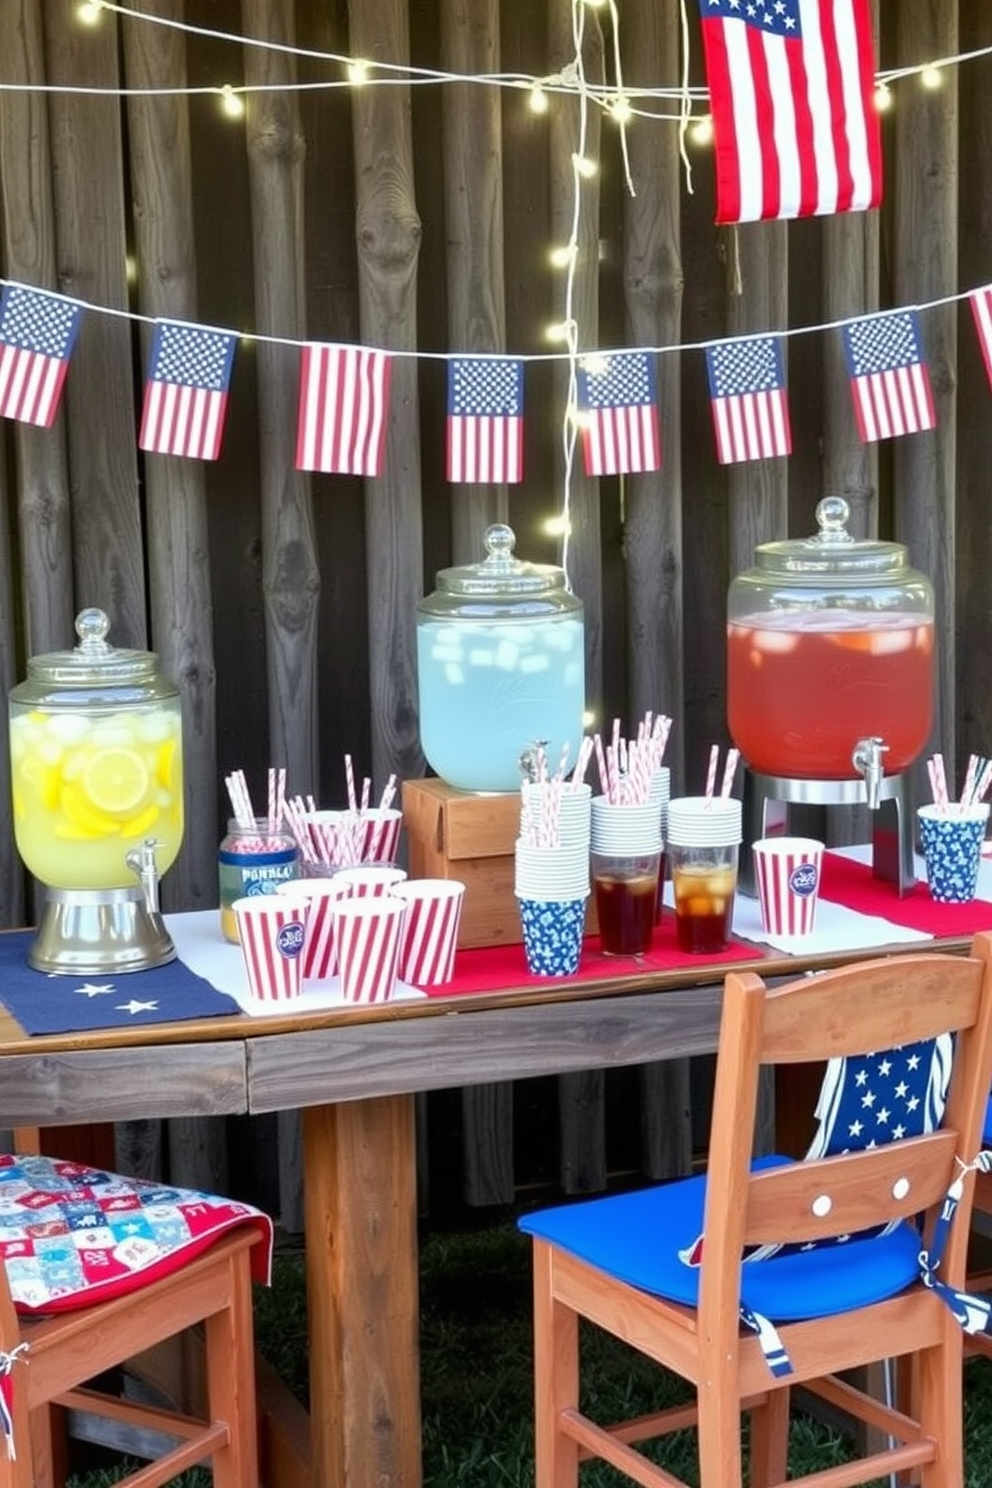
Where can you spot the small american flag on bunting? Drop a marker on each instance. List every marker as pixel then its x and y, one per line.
pixel 981 309
pixel 889 378
pixel 344 393
pixel 618 397
pixel 37 334
pixel 750 408
pixel 485 419
pixel 791 83
pixel 185 403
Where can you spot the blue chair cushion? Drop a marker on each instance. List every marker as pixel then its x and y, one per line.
pixel 649 1239
pixel 987 1127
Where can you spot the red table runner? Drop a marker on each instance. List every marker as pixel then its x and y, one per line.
pixel 853 885
pixel 492 968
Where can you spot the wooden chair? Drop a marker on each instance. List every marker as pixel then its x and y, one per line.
pixel 60 1360
pixel 851 1256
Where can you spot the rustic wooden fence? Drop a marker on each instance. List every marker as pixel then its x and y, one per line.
pixel 417 217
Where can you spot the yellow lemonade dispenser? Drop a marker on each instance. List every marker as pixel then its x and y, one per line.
pixel 97 786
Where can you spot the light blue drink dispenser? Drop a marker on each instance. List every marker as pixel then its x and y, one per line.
pixel 501 666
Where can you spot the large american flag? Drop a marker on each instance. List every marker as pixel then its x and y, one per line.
pixel 485 419
pixel 185 403
pixel 37 334
pixel 750 408
pixel 791 84
pixel 618 402
pixel 344 393
pixel 889 378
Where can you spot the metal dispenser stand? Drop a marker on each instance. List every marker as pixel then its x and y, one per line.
pixel 766 813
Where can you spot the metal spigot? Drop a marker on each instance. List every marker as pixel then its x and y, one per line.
pixel 867 760
pixel 141 861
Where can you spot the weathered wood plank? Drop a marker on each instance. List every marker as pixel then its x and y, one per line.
pixel 30 256
pixel 473 224
pixel 925 266
pixel 100 1085
pixel 179 579
pixel 388 234
pixel 391 1057
pixel 91 231
pixel 973 696
pixel 653 279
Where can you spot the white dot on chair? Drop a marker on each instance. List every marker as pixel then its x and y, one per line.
pixel 822 1205
pixel 900 1188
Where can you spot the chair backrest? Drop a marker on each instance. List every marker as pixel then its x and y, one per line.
pixel 869 1007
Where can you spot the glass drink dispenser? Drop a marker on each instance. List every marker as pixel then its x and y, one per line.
pixel 501 666
pixel 829 641
pixel 97 787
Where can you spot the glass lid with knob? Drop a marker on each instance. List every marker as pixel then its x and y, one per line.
pixel 830 639
pixel 500 666
pixel 96 761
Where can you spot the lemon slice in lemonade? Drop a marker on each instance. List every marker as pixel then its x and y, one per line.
pixel 115 780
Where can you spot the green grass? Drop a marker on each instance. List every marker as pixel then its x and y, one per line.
pixel 476 1373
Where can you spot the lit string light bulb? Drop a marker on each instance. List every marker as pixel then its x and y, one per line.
pixel 89 12
pixel 231 102
pixel 931 78
pixel 538 100
pixel 883 98
pixel 358 72
pixel 701 131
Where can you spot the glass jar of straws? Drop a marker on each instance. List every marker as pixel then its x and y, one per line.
pixel 252 859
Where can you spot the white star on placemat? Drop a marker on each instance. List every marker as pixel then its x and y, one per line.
pixel 133 1007
pixel 90 989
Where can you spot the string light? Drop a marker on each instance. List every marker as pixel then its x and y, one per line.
pixel 932 78
pixel 89 12
pixel 358 73
pixel 231 102
pixel 701 132
pixel 563 257
pixel 583 166
pixel 883 98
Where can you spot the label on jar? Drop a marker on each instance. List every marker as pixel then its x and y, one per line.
pixel 247 874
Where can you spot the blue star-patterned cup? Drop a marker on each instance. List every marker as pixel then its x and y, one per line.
pixel 952 848
pixel 552 935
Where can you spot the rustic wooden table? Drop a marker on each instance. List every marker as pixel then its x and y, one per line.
pixel 354 1075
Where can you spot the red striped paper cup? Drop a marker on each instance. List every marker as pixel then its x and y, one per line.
pixel 319 958
pixel 271 932
pixel 370 880
pixel 381 838
pixel 368 937
pixel 787 870
pixel 430 935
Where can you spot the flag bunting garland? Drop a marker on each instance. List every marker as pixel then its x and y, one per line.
pixel 795 128
pixel 37 334
pixel 343 407
pixel 344 394
pixel 618 397
pixel 889 378
pixel 747 392
pixel 485 420
pixel 185 403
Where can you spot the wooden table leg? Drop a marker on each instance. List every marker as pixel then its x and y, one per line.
pixel 359 1177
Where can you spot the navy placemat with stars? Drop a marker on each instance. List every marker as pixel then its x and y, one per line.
pixel 44 1003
